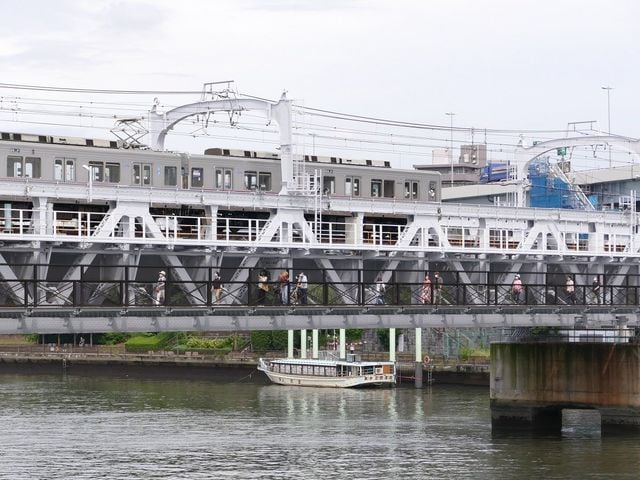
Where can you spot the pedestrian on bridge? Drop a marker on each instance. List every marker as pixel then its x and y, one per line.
pixel 517 289
pixel 158 290
pixel 595 288
pixel 263 286
pixel 425 292
pixel 437 279
pixel 570 288
pixel 283 287
pixel 303 288
pixel 216 286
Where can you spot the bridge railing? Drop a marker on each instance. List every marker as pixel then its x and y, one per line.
pixel 239 231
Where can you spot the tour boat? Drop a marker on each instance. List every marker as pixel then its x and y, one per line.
pixel 328 372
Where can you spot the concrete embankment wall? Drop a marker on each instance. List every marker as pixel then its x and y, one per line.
pixel 224 368
pixel 142 366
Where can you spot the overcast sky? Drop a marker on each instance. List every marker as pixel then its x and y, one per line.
pixel 496 63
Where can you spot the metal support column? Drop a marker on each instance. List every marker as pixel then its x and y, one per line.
pixel 418 374
pixel 314 344
pixel 392 344
pixel 290 343
pixel 303 343
pixel 343 344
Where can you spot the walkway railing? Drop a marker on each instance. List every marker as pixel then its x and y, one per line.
pixel 137 289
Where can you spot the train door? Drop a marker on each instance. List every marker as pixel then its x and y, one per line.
pixel 184 173
pixel 142 174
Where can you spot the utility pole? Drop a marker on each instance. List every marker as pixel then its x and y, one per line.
pixel 608 89
pixel 451 114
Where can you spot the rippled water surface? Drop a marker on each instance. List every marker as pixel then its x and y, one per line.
pixel 68 426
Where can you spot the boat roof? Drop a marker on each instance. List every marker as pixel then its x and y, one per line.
pixel 326 363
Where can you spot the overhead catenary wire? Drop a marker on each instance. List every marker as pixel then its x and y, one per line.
pixel 344 138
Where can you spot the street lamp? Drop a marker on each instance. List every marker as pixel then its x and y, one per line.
pixel 608 89
pixel 451 114
pixel 90 170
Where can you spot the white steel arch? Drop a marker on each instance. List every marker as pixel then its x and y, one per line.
pixel 624 143
pixel 161 123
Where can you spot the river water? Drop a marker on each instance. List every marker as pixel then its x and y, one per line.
pixel 72 426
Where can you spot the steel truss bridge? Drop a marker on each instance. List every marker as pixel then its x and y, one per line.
pixel 92 268
pixel 64 271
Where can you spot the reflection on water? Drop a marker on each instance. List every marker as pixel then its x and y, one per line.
pixel 116 428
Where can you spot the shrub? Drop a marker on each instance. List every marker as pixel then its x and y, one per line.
pixel 261 341
pixel 149 341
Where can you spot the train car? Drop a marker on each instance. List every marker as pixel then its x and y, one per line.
pixel 494 172
pixel 73 160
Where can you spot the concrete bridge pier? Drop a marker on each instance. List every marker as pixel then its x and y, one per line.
pixel 531 383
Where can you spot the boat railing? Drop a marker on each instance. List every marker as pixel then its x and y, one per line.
pixel 328 355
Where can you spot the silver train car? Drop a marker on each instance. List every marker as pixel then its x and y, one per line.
pixel 71 160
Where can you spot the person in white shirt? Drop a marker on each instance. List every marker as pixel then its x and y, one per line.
pixel 571 291
pixel 158 290
pixel 303 288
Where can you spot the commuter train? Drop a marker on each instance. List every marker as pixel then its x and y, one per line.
pixel 71 160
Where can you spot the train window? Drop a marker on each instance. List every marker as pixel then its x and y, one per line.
pixel 352 186
pixel 28 167
pixel 58 170
pixel 32 167
pixel 64 169
pixel 376 188
pixel 250 180
pixel 389 190
pixel 146 174
pixel 112 172
pixel 170 176
pixel 14 166
pixel 264 180
pixel 224 178
pixel 197 177
pixel 433 195
pixel 70 169
pixel 411 190
pixel 97 171
pixel 329 185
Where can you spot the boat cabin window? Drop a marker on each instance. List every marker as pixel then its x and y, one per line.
pixel 352 186
pixel 411 190
pixel 27 167
pixel 170 176
pixel 224 178
pixel 197 176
